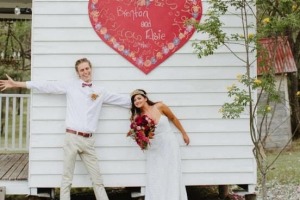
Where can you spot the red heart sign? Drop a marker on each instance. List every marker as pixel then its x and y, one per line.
pixel 145 32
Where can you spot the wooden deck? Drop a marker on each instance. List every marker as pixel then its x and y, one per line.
pixel 14 167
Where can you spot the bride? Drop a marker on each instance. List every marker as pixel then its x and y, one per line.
pixel 164 177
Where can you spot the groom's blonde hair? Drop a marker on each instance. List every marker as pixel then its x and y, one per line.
pixel 82 60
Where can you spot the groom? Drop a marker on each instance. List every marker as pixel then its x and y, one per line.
pixel 84 102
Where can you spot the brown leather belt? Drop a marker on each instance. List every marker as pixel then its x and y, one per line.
pixel 79 133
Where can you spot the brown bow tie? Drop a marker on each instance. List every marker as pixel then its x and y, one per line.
pixel 87 84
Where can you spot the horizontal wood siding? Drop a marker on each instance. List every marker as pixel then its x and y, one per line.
pixel 220 151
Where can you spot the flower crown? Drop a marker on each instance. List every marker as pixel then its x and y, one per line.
pixel 135 92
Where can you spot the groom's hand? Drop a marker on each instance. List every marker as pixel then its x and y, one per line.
pixel 6 84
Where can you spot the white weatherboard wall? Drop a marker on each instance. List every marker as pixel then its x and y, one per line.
pixel 220 151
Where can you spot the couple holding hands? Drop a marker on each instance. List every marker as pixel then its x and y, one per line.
pixel 84 103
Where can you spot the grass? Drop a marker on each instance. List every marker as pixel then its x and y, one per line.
pixel 286 169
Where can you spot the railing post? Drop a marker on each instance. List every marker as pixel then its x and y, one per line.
pixel 15 128
pixel 6 123
pixel 1 120
pixel 28 122
pixel 21 124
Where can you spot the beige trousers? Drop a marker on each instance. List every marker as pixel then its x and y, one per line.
pixel 84 147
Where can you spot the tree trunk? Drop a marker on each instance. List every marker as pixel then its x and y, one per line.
pixel 264 187
pixel 250 197
pixel 294 86
pixel 294 104
pixel 223 191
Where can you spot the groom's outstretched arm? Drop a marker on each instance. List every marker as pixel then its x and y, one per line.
pixel 10 83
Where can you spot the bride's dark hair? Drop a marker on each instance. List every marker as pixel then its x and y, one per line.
pixel 134 110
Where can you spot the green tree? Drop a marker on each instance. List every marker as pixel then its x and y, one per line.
pixel 15 55
pixel 15 51
pixel 283 20
pixel 242 93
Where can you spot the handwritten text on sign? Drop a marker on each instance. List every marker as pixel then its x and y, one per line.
pixel 145 32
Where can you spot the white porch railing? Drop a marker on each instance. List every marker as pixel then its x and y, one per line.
pixel 14 118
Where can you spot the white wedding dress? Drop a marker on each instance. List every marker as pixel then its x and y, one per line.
pixel 164 178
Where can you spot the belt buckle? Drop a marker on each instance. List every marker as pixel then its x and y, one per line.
pixel 88 135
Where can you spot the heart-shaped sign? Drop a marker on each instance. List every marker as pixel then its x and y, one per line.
pixel 145 32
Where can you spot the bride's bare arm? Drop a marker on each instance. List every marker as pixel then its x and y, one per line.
pixel 167 111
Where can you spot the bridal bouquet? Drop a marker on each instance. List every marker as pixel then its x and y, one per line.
pixel 142 130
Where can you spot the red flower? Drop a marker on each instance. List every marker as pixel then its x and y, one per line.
pixel 142 130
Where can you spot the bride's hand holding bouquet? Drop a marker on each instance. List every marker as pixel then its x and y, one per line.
pixel 142 130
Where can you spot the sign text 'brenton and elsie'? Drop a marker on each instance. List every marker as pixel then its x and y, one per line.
pixel 145 32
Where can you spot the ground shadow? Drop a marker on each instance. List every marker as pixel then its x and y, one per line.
pixel 193 192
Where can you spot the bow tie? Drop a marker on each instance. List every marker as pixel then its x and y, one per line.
pixel 87 84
